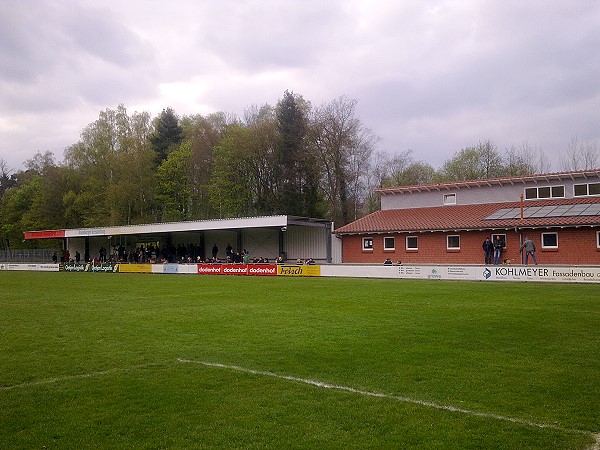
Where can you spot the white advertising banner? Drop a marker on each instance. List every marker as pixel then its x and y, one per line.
pixel 560 274
pixel 33 267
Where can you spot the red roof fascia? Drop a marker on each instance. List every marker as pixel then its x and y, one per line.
pixel 48 234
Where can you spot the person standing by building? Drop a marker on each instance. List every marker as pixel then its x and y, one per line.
pixel 497 249
pixel 529 247
pixel 488 250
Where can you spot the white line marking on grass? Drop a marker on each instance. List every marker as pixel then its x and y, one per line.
pixel 413 401
pixel 75 377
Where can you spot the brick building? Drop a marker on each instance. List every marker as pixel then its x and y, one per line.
pixel 446 223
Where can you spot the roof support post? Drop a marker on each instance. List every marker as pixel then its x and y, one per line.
pixel 281 235
pixel 328 244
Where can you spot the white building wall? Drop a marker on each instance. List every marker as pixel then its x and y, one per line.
pixel 306 242
pixel 261 242
pixel 475 195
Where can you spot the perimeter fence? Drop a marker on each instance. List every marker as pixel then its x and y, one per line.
pixel 28 255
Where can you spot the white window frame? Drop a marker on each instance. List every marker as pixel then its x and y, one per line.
pixel 597 239
pixel 385 247
pixel 448 241
pixel 417 242
pixel 449 199
pixel 587 190
pixel 553 247
pixel 502 236
pixel 365 241
pixel 537 192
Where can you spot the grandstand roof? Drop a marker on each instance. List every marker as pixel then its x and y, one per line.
pixel 190 226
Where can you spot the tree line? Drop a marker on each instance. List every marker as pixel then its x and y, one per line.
pixel 291 158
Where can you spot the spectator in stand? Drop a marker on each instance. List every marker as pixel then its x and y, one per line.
pixel 488 250
pixel 388 262
pixel 497 249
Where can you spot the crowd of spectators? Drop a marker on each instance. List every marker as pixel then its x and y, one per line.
pixel 181 254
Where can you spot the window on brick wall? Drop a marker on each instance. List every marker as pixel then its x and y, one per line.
pixel 597 239
pixel 550 240
pixel 412 243
pixel 367 244
pixel 389 243
pixel 453 242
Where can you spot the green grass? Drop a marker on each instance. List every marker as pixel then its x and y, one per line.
pixel 117 361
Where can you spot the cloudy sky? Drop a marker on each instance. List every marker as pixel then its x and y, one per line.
pixel 430 76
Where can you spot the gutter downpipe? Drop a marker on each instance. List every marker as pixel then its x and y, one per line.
pixel 521 233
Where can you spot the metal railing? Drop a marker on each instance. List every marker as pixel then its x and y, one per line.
pixel 28 255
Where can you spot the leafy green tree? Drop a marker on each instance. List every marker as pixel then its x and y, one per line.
pixel 241 184
pixel 203 134
pixel 115 162
pixel 173 187
pixel 17 211
pixel 230 195
pixel 473 163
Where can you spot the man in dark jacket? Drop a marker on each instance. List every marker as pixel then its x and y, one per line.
pixel 488 250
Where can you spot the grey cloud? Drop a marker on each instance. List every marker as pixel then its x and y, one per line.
pixel 56 55
pixel 263 35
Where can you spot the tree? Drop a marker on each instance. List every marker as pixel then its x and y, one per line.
pixel 203 135
pixel 403 170
pixel 173 188
pixel 344 146
pixel 115 162
pixel 6 180
pixel 580 156
pixel 240 183
pixel 17 211
pixel 525 160
pixel 167 134
pixel 473 163
pixel 296 164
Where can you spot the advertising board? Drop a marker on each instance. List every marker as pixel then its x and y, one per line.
pixel 33 267
pixel 299 271
pixel 238 269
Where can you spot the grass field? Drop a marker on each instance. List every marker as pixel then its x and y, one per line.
pixel 172 361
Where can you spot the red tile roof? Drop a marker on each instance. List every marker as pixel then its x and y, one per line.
pixel 463 217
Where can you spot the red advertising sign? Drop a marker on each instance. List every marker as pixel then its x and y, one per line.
pixel 262 269
pixel 238 269
pixel 49 234
pixel 210 269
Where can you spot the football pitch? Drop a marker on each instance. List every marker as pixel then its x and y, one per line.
pixel 139 361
